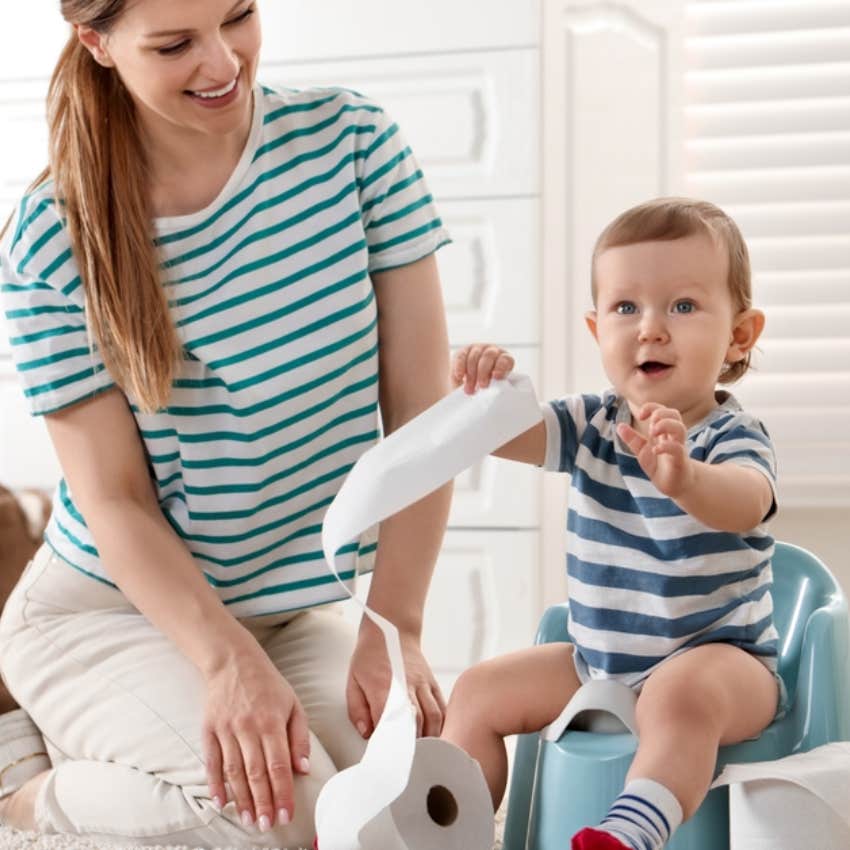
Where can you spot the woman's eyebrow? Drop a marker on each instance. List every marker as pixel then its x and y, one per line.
pixel 162 33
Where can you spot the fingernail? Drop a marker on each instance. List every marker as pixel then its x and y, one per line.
pixel 304 764
pixel 283 817
pixel 361 728
pixel 247 820
pixel 217 803
pixel 264 823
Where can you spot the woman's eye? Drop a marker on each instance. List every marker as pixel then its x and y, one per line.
pixel 243 17
pixel 684 307
pixel 626 308
pixel 174 49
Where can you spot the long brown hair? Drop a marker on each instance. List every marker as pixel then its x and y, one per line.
pixel 663 219
pixel 99 169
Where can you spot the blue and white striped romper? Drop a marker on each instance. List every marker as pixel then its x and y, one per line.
pixel 646 580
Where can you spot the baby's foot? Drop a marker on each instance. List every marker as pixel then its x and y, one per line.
pixel 594 839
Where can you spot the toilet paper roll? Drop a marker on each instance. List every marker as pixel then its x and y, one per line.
pixel 412 462
pixel 445 805
pixel 802 801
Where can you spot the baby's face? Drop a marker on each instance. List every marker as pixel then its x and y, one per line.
pixel 664 320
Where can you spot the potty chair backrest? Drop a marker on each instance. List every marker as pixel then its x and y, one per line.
pixel 801 585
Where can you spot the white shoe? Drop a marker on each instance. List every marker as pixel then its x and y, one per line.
pixel 23 754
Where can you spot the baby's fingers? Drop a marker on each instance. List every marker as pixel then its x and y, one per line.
pixel 495 362
pixel 673 429
pixel 631 438
pixel 458 370
pixel 504 366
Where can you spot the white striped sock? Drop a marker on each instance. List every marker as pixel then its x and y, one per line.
pixel 644 816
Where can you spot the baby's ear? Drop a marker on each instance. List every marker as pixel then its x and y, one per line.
pixel 745 334
pixel 590 321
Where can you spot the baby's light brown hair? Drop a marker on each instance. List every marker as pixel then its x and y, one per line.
pixel 666 219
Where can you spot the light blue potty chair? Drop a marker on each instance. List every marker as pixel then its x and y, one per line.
pixel 559 786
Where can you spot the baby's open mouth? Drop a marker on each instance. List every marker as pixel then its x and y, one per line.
pixel 653 367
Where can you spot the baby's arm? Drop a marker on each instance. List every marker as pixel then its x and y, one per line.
pixel 722 496
pixel 474 366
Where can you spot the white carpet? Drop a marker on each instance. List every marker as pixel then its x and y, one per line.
pixel 12 840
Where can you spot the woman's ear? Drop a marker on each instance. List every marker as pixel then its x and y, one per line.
pixel 93 41
pixel 590 321
pixel 745 333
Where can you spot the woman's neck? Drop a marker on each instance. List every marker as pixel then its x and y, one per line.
pixel 189 170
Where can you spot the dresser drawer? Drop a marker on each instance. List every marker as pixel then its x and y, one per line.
pixel 472 119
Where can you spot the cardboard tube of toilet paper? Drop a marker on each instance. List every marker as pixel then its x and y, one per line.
pixel 409 464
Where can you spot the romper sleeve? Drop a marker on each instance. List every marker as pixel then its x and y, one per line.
pixel 745 441
pixel 44 308
pixel 566 419
pixel 400 218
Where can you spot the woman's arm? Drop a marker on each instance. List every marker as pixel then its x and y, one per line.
pixel 249 704
pixel 414 374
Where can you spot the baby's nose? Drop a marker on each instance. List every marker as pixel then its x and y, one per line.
pixel 653 329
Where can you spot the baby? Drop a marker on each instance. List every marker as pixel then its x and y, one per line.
pixel 668 562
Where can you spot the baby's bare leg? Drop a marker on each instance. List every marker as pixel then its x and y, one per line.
pixel 709 696
pixel 509 695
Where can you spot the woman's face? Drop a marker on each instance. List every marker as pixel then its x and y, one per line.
pixel 189 65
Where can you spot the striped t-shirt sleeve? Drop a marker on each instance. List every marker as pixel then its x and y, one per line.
pixel 399 216
pixel 42 301
pixel 565 420
pixel 744 441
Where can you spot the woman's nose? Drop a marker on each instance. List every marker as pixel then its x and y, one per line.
pixel 220 62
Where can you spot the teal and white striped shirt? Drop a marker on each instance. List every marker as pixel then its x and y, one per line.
pixel 277 394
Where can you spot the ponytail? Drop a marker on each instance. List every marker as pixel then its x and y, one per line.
pixel 99 169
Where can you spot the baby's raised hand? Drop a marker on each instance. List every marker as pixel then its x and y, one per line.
pixel 476 365
pixel 662 454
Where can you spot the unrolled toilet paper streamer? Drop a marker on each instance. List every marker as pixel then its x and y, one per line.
pixel 802 801
pixel 382 802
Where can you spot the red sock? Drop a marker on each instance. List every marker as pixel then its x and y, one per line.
pixel 594 839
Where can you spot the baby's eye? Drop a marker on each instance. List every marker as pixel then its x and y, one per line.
pixel 684 307
pixel 626 308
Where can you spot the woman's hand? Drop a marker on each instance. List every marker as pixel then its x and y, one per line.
pixel 255 736
pixel 369 683
pixel 475 366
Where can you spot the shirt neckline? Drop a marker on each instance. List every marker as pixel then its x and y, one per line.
pixel 164 224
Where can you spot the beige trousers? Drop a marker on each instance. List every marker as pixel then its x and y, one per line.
pixel 121 712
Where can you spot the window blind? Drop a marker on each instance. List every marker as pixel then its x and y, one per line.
pixel 768 139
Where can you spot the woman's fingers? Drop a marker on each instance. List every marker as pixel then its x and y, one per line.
pixel 257 776
pixel 431 710
pixel 233 768
pixel 215 776
pixel 279 763
pixel 299 739
pixel 358 708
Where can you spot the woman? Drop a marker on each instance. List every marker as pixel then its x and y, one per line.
pixel 209 294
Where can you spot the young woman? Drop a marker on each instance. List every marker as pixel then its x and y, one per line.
pixel 210 293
